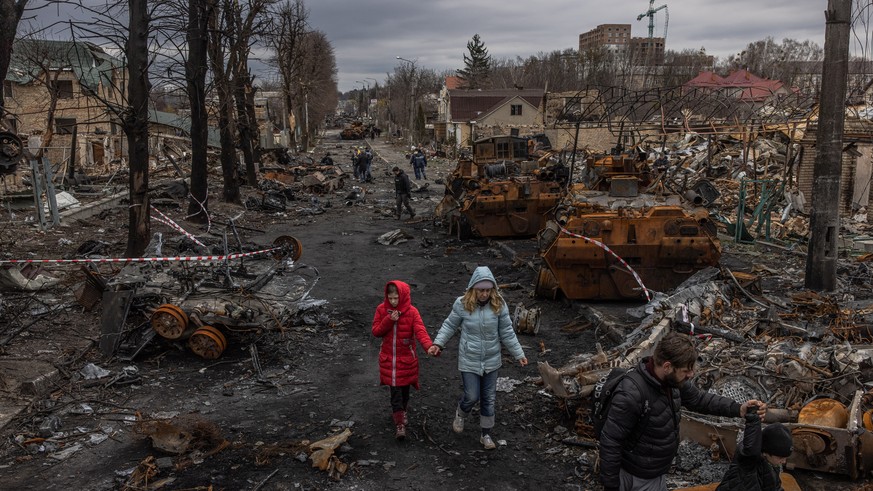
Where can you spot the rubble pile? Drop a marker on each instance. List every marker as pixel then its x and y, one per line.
pixel 799 353
pixel 769 195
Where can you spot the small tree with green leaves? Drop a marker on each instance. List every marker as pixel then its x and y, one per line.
pixel 477 65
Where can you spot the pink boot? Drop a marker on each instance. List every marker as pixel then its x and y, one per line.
pixel 400 425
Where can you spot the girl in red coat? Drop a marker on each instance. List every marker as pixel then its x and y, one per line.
pixel 398 323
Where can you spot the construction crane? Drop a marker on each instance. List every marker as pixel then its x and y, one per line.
pixel 651 15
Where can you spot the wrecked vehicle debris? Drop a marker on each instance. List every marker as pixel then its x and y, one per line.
pixel 11 153
pixel 815 388
pixel 201 301
pixel 500 192
pixel 619 243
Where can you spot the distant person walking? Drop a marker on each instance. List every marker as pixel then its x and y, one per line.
pixel 419 164
pixel 368 162
pixel 356 152
pixel 481 316
pixel 399 324
pixel 402 192
pixel 361 164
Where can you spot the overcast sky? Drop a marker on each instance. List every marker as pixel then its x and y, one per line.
pixel 368 35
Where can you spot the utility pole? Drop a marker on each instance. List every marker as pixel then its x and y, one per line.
pixel 821 259
pixel 411 99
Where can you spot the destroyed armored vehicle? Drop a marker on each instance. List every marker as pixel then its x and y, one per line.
pixel 500 192
pixel 358 131
pixel 609 241
pixel 202 303
pixel 11 153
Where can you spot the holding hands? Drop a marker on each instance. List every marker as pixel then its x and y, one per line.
pixel 434 350
pixel 761 406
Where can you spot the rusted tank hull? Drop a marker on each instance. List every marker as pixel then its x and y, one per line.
pixel 846 450
pixel 499 193
pixel 512 208
pixel 663 245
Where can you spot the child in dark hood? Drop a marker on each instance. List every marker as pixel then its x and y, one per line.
pixel 757 464
pixel 399 324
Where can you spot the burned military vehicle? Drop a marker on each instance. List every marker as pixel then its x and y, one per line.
pixel 610 241
pixel 500 192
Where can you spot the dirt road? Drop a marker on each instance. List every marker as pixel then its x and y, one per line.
pixel 321 377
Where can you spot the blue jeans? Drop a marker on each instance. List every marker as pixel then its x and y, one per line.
pixel 481 389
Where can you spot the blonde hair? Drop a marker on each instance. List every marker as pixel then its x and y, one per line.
pixel 470 302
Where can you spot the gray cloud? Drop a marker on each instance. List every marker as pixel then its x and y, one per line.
pixel 367 35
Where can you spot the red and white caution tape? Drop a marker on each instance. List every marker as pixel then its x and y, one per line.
pixel 170 223
pixel 225 257
pixel 622 261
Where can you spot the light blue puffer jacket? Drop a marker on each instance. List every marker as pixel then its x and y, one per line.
pixel 482 332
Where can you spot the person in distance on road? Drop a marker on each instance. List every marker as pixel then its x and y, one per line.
pixel 419 164
pixel 402 191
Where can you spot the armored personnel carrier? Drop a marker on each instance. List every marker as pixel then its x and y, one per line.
pixel 501 192
pixel 610 241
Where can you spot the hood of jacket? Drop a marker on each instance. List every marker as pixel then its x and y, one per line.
pixel 479 274
pixel 403 292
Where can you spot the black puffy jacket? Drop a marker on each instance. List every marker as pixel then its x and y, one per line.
pixel 648 451
pixel 749 471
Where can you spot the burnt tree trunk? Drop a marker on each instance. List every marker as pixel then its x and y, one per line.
pixel 222 83
pixel 241 84
pixel 10 14
pixel 135 123
pixel 250 112
pixel 199 12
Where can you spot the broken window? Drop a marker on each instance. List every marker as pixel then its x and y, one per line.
pixel 515 109
pixel 64 126
pixel 63 88
pixel 7 89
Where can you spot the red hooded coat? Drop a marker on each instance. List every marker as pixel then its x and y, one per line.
pixel 398 361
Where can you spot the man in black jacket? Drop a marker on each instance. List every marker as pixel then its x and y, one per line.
pixel 402 191
pixel 641 433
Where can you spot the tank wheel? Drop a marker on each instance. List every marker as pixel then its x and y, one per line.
pixel 547 284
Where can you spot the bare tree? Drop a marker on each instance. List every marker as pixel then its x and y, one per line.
pixel 245 22
pixel 315 93
pixel 135 121
pixel 43 62
pixel 10 14
pixel 222 60
pixel 127 99
pixel 199 12
pixel 292 20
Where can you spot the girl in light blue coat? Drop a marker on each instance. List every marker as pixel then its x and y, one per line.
pixel 482 318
